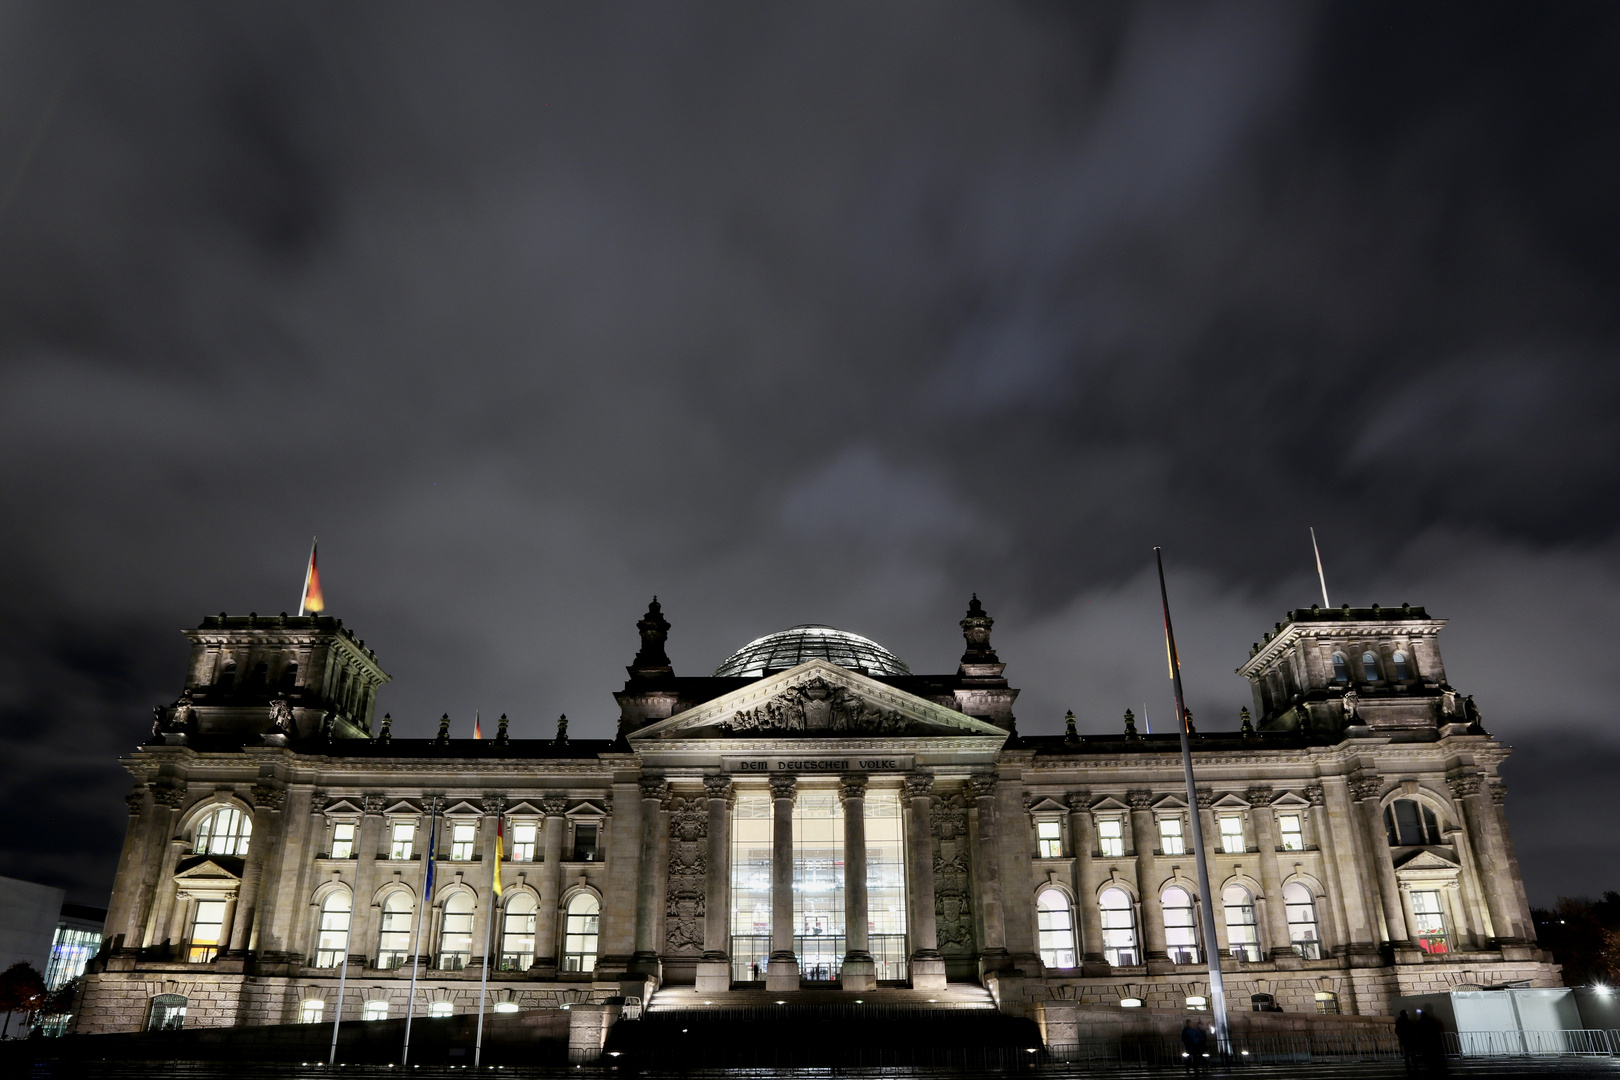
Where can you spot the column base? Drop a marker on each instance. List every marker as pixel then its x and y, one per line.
pixel 1093 967
pixel 1286 960
pixel 928 972
pixel 859 972
pixel 713 976
pixel 782 973
pixel 1362 954
pixel 645 964
pixel 994 960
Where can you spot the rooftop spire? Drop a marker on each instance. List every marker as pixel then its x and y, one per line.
pixel 976 629
pixel 654 629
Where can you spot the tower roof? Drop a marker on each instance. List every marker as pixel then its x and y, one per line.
pixel 811 641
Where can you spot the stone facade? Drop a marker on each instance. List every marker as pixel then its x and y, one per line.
pixel 1355 837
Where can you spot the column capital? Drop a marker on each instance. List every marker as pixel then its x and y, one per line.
pixel 492 804
pixel 1498 791
pixel 1315 796
pixel 784 785
pixel 1258 795
pixel 266 797
pixel 654 789
pixel 1139 799
pixel 1206 798
pixel 1464 785
pixel 373 804
pixel 1365 787
pixel 554 807
pixel 135 800
pixel 982 785
pixel 720 786
pixel 852 786
pixel 919 785
pixel 170 797
pixel 1079 800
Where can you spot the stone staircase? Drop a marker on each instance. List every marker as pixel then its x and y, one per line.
pixel 769 1002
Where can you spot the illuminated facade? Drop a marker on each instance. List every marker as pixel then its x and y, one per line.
pixel 811 815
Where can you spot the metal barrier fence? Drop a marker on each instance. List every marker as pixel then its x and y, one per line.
pixel 1164 1051
pixel 1587 1042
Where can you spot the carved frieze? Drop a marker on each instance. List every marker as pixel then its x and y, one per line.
pixel 688 873
pixel 818 706
pixel 953 909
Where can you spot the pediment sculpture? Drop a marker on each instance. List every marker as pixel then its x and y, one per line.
pixel 818 706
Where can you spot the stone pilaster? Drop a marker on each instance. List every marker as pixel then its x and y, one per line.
pixel 927 966
pixel 266 836
pixel 364 917
pixel 546 918
pixel 993 955
pixel 125 919
pixel 1082 834
pixel 714 970
pixel 782 971
pixel 1212 843
pixel 1273 912
pixel 859 971
pixel 1145 838
pixel 1521 907
pixel 483 933
pixel 1366 790
pixel 654 790
pixel 1492 856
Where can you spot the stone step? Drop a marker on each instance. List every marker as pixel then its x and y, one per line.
pixel 954 996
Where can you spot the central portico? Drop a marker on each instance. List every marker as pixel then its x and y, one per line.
pixel 816 835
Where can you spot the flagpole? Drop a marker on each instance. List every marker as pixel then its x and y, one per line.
pixel 308 570
pixel 421 910
pixel 489 937
pixel 1217 987
pixel 343 974
pixel 1320 577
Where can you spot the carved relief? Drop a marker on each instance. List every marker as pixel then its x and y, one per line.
pixel 266 797
pixel 953 910
pixel 1315 796
pixel 688 873
pixel 170 797
pixel 817 706
pixel 1366 787
pixel 1463 786
pixel 654 788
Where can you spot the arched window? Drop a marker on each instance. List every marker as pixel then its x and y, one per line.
pixel 289 675
pixel 1398 661
pixel 1118 927
pixel 1055 921
pixel 517 933
pixel 1242 935
pixel 394 939
pixel 1409 823
pixel 332 939
pixel 579 933
pixel 227 675
pixel 225 831
pixel 1369 666
pixel 1180 939
pixel 207 931
pixel 1341 668
pixel 455 935
pixel 168 1013
pixel 1302 932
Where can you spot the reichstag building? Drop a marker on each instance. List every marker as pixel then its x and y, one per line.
pixel 811 816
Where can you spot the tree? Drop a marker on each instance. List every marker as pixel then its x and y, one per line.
pixel 22 989
pixel 1584 936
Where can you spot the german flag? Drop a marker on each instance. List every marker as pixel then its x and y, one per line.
pixel 312 602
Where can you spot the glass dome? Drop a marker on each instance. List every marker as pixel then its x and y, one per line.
pixel 811 641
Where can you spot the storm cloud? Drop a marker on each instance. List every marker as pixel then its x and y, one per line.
pixel 804 313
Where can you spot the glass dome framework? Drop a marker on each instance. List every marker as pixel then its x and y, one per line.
pixel 810 641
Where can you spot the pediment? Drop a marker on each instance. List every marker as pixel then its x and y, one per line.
pixel 1426 859
pixel 463 808
pixel 207 870
pixel 1288 800
pixel 524 808
pixel 403 807
pixel 816 700
pixel 342 806
pixel 1108 802
pixel 1170 802
pixel 587 809
pixel 1229 802
pixel 1045 805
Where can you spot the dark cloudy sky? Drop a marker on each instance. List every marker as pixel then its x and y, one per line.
pixel 805 313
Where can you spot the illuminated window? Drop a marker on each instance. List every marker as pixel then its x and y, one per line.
pixel 1430 922
pixel 343 840
pixel 1171 842
pixel 1341 668
pixel 1111 835
pixel 168 1013
pixel 1242 935
pixel 751 825
pixel 1197 1003
pixel 394 939
pixel 584 843
pixel 404 836
pixel 1118 927
pixel 1398 662
pixel 1302 930
pixel 1293 836
pixel 579 933
pixel 1130 1003
pixel 1409 823
pixel 1180 938
pixel 226 831
pixel 523 842
pixel 886 884
pixel 463 838
pixel 1232 834
pixel 1049 835
pixel 455 937
pixel 374 1010
pixel 517 933
pixel 818 884
pixel 1327 1002
pixel 1369 666
pixel 333 936
pixel 439 1009
pixel 1055 921
pixel 207 926
pixel 311 1010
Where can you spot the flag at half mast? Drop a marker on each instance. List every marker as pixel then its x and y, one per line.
pixel 312 603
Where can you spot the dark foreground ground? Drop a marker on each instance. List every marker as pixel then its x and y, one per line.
pixel 1552 1069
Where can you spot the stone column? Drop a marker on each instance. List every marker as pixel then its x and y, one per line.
pixel 859 970
pixel 782 972
pixel 486 936
pixel 369 835
pixel 1082 835
pixel 1275 914
pixel 1145 838
pixel 654 790
pixel 159 933
pixel 1341 826
pixel 927 966
pixel 1367 791
pixel 1492 856
pixel 714 970
pixel 266 835
pixel 1322 830
pixel 546 917
pixel 1474 922
pixel 993 955
pixel 1212 845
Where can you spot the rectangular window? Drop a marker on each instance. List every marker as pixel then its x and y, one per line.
pixel 1170 840
pixel 1111 835
pixel 440 1009
pixel 1232 834
pixel 375 1010
pixel 1293 834
pixel 463 838
pixel 751 828
pixel 1431 923
pixel 886 885
pixel 584 843
pixel 1049 834
pixel 523 842
pixel 818 884
pixel 404 835
pixel 343 840
pixel 310 1012
pixel 206 927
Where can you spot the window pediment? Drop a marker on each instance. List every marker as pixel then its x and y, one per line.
pixel 462 809
pixel 343 806
pixel 1230 801
pixel 1425 859
pixel 587 809
pixel 1109 804
pixel 203 869
pixel 1045 805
